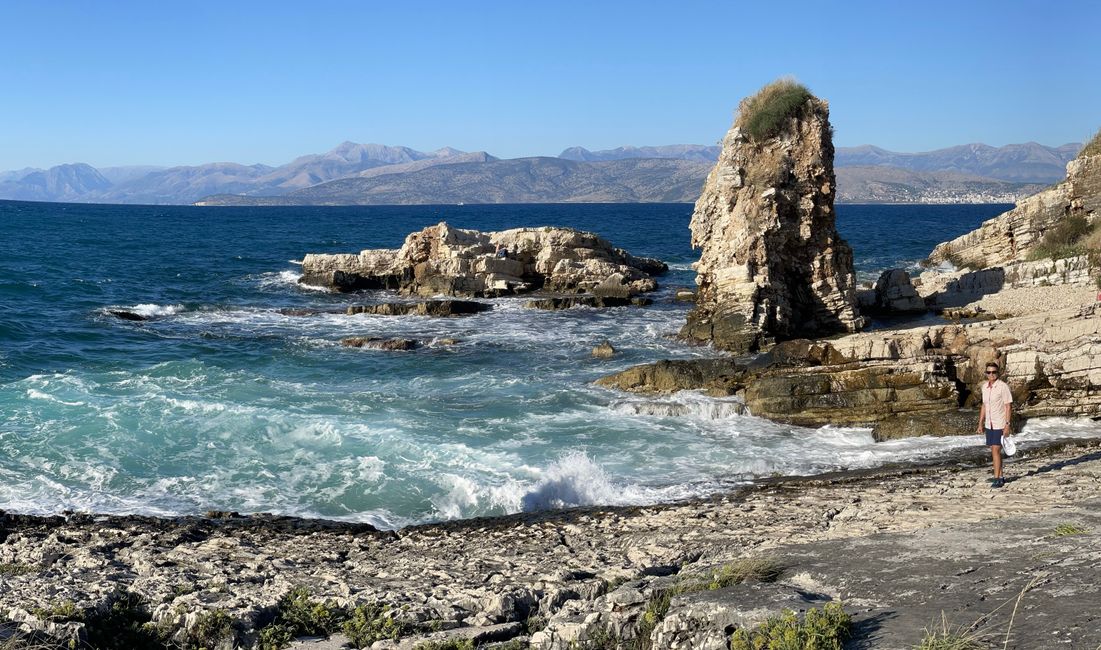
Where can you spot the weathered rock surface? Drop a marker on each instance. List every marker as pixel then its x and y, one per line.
pixel 1010 236
pixel 604 351
pixel 904 382
pixel 426 308
pixel 377 343
pixel 894 293
pixel 569 302
pixel 895 546
pixel 772 265
pixel 441 260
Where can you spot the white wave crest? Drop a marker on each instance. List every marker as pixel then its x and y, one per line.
pixel 150 310
pixel 575 480
pixel 686 404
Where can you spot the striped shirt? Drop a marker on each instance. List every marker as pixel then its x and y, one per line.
pixel 995 397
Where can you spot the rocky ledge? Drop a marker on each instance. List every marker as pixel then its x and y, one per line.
pixel 441 260
pixel 907 382
pixel 895 547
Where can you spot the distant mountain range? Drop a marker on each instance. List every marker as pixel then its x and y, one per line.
pixel 361 174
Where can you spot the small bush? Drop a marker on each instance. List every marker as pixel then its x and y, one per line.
pixel 450 644
pixel 762 115
pixel 1065 530
pixel 210 629
pixel 65 610
pixel 15 569
pixel 1065 239
pixel 374 622
pixel 1093 147
pixel 818 630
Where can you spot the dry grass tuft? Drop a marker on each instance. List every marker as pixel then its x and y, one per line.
pixel 762 116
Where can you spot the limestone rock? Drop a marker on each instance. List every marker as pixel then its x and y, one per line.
pixel 441 260
pixel 895 293
pixel 772 265
pixel 604 351
pixel 1011 236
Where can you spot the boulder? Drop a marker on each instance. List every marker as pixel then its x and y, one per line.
pixel 127 315
pixel 896 294
pixel 604 351
pixel 441 260
pixel 772 265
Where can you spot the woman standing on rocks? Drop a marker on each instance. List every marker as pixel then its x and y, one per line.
pixel 994 417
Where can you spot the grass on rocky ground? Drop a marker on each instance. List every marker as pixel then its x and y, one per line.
pixel 947 636
pixel 15 569
pixel 1067 529
pixel 825 629
pixel 1093 147
pixel 1070 237
pixel 759 569
pixel 762 116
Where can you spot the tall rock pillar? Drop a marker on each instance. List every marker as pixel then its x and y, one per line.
pixel 772 265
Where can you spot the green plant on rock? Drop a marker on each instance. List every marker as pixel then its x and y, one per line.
pixel 211 629
pixel 374 622
pixel 825 629
pixel 300 615
pixel 1065 239
pixel 15 569
pixel 762 116
pixel 1093 147
pixel 127 624
pixel 1065 530
pixel 64 610
pixel 450 644
pixel 950 637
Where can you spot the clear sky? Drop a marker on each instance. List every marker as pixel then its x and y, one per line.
pixel 152 82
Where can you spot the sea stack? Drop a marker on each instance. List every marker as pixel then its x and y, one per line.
pixel 772 265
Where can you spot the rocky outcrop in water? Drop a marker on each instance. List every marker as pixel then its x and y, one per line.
pixel 441 260
pixel 772 265
pixel 1011 236
pixel 426 308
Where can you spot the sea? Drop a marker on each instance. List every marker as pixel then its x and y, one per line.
pixel 221 401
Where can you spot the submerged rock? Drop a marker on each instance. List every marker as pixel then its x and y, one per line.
pixel 604 351
pixel 379 343
pixel 441 260
pixel 772 265
pixel 127 315
pixel 426 308
pixel 585 301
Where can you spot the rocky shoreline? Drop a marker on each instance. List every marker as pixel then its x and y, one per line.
pixel 552 579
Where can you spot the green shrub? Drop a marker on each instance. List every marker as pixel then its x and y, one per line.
pixel 450 644
pixel 762 115
pixel 1093 147
pixel 818 630
pixel 374 622
pixel 65 610
pixel 126 625
pixel 15 569
pixel 1065 239
pixel 209 630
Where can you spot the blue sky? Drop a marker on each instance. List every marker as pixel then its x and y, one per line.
pixel 120 83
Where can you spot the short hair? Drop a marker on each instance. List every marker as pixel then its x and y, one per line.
pixel 993 365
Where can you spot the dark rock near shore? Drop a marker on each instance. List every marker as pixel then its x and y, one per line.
pixel 597 302
pixel 426 308
pixel 380 343
pixel 604 351
pixel 127 315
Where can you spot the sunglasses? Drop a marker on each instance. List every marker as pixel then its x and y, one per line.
pixel 991 372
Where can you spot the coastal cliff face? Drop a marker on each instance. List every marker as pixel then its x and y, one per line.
pixel 772 265
pixel 441 260
pixel 1011 236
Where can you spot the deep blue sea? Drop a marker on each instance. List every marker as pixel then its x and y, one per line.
pixel 221 402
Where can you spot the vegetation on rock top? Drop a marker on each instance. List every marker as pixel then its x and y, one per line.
pixel 827 629
pixel 1093 147
pixel 1071 237
pixel 762 115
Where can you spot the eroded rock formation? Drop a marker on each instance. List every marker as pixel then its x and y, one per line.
pixel 1012 235
pixel 904 382
pixel 772 265
pixel 441 260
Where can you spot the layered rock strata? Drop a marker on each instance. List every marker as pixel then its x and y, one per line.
pixel 772 265
pixel 441 260
pixel 1011 236
pixel 904 382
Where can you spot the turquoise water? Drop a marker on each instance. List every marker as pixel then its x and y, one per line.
pixel 222 402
